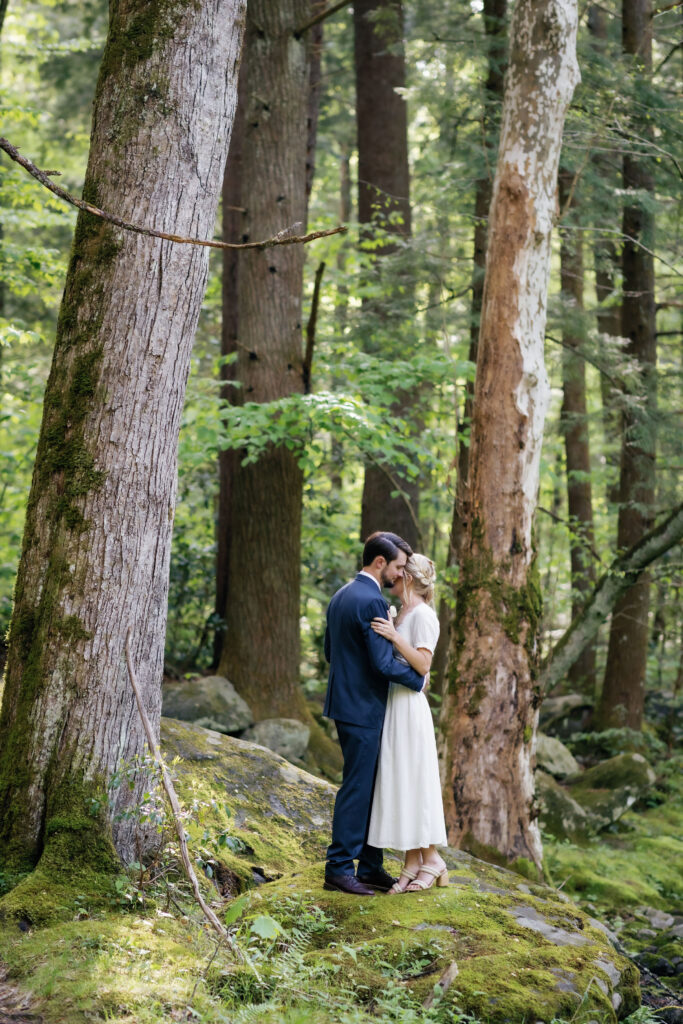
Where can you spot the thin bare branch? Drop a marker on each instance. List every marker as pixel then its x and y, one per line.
pixel 321 17
pixel 284 237
pixel 172 799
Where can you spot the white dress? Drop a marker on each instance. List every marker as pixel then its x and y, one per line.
pixel 407 808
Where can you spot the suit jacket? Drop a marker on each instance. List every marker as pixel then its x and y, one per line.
pixel 362 663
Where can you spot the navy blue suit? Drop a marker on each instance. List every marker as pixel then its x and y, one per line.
pixel 362 664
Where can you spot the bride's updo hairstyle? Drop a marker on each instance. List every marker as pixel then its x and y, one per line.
pixel 423 574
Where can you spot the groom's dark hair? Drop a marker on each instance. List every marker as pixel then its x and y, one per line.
pixel 387 545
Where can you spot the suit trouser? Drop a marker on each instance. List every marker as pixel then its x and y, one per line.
pixel 351 820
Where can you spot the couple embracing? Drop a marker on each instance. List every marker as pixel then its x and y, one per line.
pixel 390 793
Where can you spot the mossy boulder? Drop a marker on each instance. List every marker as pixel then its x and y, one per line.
pixel 286 736
pixel 277 814
pixel 521 951
pixel 594 799
pixel 208 701
pixel 553 757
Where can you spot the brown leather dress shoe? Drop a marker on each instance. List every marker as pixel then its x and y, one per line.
pixel 347 883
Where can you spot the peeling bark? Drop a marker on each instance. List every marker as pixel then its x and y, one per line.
pixel 490 704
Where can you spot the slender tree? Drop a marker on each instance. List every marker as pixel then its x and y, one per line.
pixel 574 426
pixel 490 701
pixel 383 202
pixel 96 546
pixel 623 692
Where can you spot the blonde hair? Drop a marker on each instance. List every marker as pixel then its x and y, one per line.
pixel 423 574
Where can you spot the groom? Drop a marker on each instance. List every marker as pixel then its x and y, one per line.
pixel 362 665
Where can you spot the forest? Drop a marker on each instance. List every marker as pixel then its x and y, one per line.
pixel 275 276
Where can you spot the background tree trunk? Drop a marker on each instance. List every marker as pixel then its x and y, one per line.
pixel 261 648
pixel 383 200
pixel 574 426
pixel 490 703
pixel 95 556
pixel 623 692
pixel 227 459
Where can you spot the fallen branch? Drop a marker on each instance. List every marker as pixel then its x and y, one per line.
pixel 173 801
pixel 443 985
pixel 284 237
pixel 622 574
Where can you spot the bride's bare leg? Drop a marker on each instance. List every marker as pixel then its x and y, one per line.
pixel 409 871
pixel 430 858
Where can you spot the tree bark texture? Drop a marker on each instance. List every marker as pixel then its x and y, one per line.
pixel 228 459
pixel 574 426
pixel 491 699
pixel 623 693
pixel 95 555
pixel 383 201
pixel 495 27
pixel 261 647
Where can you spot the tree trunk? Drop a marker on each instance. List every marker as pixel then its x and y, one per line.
pixel 495 27
pixel 261 648
pixel 623 692
pixel 95 555
pixel 624 571
pixel 490 703
pixel 574 426
pixel 606 262
pixel 384 201
pixel 227 459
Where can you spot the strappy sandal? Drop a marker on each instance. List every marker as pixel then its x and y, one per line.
pixel 438 876
pixel 397 887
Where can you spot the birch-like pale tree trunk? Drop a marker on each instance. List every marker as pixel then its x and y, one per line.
pixel 95 555
pixel 490 699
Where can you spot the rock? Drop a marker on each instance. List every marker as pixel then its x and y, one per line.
pixel 566 714
pixel 610 788
pixel 559 814
pixel 553 757
pixel 286 736
pixel 279 815
pixel 658 965
pixel 594 799
pixel 211 702
pixel 659 919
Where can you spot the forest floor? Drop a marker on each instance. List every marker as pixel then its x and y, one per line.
pixel 303 956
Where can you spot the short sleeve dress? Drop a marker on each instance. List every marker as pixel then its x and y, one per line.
pixel 407 808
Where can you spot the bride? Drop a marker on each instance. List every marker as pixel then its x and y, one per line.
pixel 407 809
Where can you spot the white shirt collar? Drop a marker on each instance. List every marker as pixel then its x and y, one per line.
pixel 370 577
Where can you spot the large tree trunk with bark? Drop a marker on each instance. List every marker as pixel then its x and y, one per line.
pixel 623 692
pixel 490 704
pixel 384 202
pixel 574 426
pixel 495 28
pixel 96 546
pixel 261 647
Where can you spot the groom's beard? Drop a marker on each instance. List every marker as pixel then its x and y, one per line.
pixel 386 582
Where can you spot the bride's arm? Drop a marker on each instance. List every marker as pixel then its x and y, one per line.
pixel 419 658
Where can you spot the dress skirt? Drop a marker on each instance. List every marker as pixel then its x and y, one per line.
pixel 407 808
